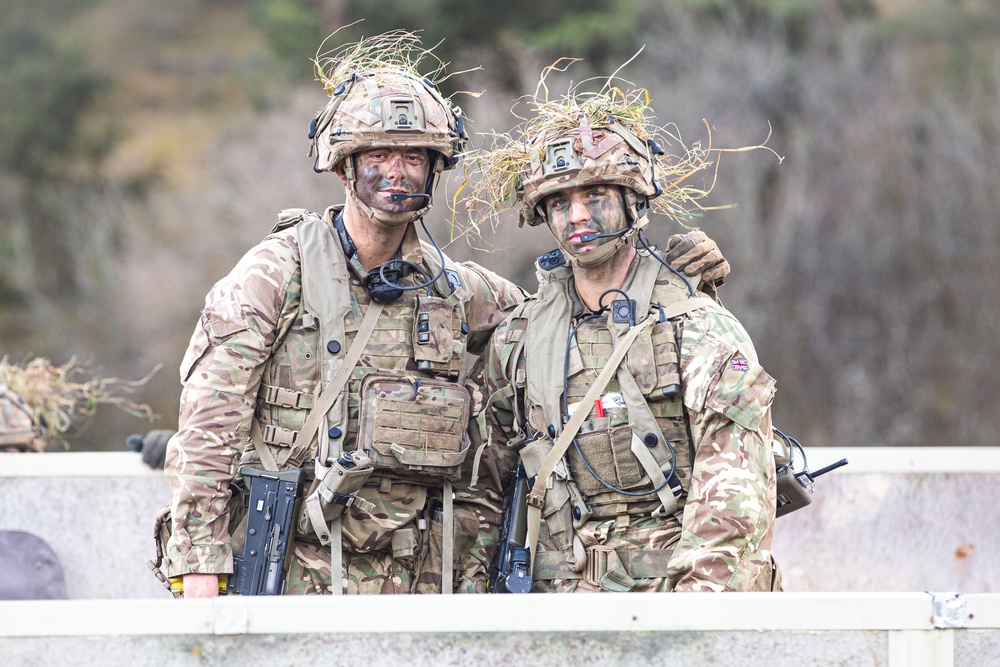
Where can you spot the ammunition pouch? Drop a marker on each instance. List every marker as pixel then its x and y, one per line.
pixel 414 426
pixel 332 492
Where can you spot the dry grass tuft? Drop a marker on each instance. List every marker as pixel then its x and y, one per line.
pixel 384 58
pixel 66 397
pixel 494 174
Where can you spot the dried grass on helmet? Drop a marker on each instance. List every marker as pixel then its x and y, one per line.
pixel 494 174
pixel 384 58
pixel 63 397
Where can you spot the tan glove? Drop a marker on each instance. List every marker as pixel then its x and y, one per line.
pixel 695 253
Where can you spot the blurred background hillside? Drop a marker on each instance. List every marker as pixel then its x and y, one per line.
pixel 145 146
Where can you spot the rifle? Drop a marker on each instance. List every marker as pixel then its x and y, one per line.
pixel 274 502
pixel 510 569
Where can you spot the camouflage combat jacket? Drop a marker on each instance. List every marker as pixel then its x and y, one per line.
pixel 256 356
pixel 699 377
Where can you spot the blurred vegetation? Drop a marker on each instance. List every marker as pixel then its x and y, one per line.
pixel 147 145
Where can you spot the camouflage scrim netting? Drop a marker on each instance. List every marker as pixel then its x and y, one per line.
pixel 42 403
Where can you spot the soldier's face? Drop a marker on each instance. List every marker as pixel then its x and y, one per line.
pixel 589 209
pixel 383 172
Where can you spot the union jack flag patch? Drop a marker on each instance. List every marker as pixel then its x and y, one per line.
pixel 740 364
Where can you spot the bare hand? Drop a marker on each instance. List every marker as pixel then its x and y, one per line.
pixel 695 253
pixel 201 585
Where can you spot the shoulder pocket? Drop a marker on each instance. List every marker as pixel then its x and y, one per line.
pixel 721 378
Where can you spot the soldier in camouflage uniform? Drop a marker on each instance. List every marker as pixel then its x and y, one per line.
pixel 669 482
pixel 275 332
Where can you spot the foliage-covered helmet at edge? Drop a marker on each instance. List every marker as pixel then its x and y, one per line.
pixel 17 426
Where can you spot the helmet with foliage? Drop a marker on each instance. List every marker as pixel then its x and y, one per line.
pixel 585 139
pixel 17 425
pixel 378 99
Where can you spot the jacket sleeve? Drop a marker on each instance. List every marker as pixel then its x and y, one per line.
pixel 493 298
pixel 729 514
pixel 221 373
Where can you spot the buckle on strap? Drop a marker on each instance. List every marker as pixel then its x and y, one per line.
pixel 600 560
pixel 287 398
pixel 281 437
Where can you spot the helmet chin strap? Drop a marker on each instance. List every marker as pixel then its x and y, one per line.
pixel 603 253
pixel 386 218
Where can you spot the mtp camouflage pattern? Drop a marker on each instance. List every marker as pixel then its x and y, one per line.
pixel 606 153
pixel 718 425
pixel 255 357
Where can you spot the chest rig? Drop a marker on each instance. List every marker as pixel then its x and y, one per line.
pixel 637 441
pixel 421 337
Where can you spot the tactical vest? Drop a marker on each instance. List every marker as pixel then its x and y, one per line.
pixel 643 403
pixel 419 336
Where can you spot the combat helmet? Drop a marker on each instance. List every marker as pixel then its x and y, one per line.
pixel 379 100
pixel 582 139
pixel 17 425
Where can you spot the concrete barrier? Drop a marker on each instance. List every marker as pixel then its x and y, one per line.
pixel 894 519
pixel 793 629
pixel 892 564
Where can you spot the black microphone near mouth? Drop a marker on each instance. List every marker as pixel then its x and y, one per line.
pixel 590 236
pixel 397 197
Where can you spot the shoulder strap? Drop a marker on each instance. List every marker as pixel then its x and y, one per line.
pixel 536 498
pixel 343 374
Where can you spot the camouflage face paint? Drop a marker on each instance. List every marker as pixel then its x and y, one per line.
pixel 595 209
pixel 383 172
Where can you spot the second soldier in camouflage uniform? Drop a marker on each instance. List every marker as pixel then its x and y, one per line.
pixel 669 484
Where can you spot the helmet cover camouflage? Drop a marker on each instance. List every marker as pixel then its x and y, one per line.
pixel 379 100
pixel 582 139
pixel 17 425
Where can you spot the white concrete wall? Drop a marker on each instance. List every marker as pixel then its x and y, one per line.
pixel 793 629
pixel 891 525
pixel 894 519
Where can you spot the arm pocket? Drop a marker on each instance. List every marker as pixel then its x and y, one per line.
pixel 222 317
pixel 743 392
pixel 724 380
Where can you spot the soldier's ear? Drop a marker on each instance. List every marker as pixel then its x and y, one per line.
pixel 341 172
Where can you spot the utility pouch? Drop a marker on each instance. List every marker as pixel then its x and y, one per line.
pixel 334 491
pixel 560 499
pixel 652 360
pixel 413 425
pixel 607 451
pixel 437 343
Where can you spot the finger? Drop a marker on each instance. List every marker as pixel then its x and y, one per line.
pixel 717 274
